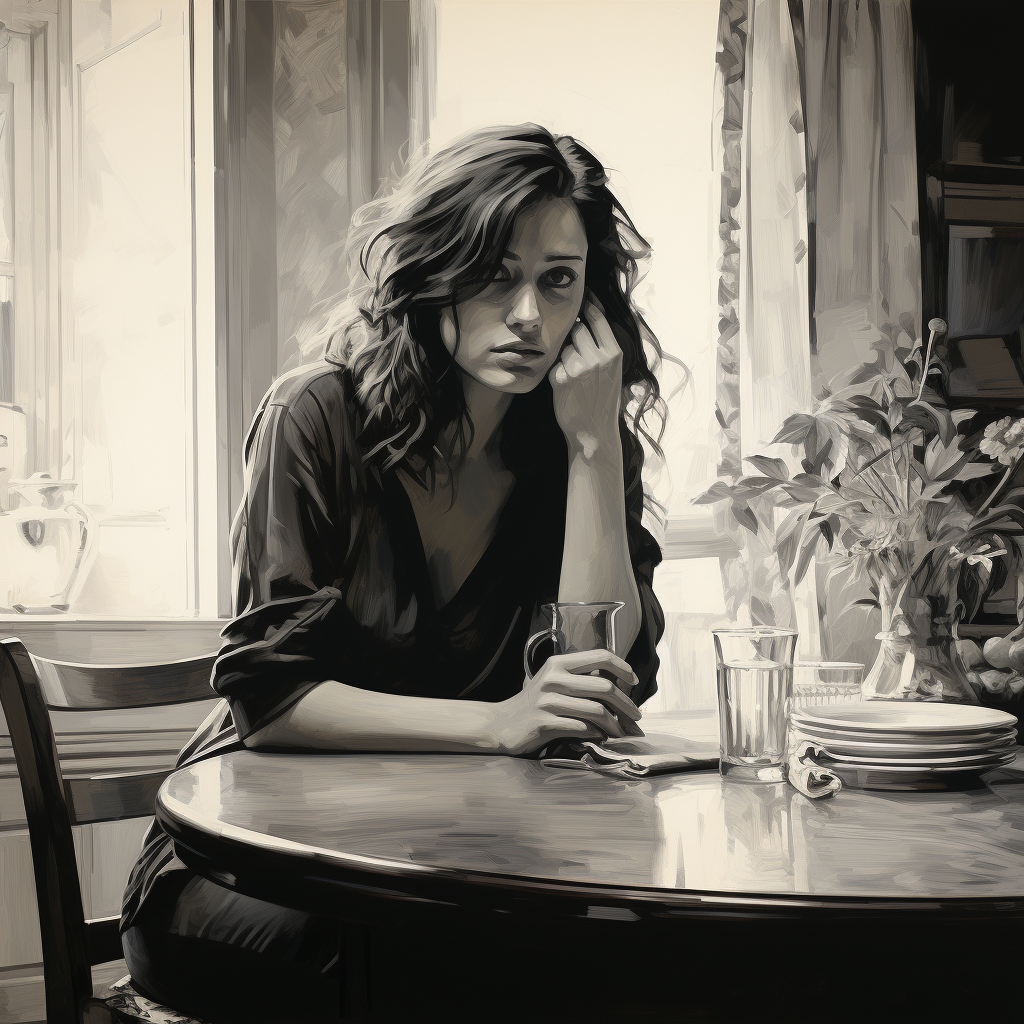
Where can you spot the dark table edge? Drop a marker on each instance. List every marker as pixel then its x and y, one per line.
pixel 275 872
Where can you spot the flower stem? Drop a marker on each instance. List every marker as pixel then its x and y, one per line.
pixel 924 373
pixel 882 484
pixel 999 486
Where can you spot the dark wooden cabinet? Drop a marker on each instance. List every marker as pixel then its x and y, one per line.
pixel 970 148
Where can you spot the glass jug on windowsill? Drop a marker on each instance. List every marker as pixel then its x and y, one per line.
pixel 47 545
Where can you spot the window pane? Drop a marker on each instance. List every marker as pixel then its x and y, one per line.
pixel 132 300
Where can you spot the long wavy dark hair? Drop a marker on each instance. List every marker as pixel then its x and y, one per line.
pixel 438 239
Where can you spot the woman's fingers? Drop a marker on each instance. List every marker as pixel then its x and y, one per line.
pixel 585 344
pixel 600 330
pixel 574 361
pixel 558 375
pixel 585 662
pixel 587 711
pixel 595 688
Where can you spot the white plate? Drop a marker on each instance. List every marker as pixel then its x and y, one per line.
pixel 885 716
pixel 892 749
pixel 858 776
pixel 966 761
pixel 941 739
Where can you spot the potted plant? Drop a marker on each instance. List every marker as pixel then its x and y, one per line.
pixel 882 460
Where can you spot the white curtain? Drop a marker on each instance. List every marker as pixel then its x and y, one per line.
pixel 764 347
pixel 820 252
pixel 862 171
pixel 863 210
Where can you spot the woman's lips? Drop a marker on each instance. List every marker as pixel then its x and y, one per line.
pixel 523 359
pixel 520 349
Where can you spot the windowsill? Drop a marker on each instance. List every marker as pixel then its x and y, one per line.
pixel 111 640
pixel 110 621
pixel 693 535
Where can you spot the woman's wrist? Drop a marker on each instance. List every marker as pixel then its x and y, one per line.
pixel 594 446
pixel 483 727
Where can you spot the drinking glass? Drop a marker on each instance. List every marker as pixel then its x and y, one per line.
pixel 826 682
pixel 755 686
pixel 570 627
pixel 578 626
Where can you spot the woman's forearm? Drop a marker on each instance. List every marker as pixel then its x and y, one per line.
pixel 595 559
pixel 335 716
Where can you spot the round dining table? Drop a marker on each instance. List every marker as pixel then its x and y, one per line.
pixel 490 883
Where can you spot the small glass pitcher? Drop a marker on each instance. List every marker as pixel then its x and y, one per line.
pixel 573 626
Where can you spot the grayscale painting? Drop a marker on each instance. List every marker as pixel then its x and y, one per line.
pixel 511 511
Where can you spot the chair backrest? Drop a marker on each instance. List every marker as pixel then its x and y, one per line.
pixel 29 688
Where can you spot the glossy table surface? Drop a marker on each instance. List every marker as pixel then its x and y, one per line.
pixel 497 822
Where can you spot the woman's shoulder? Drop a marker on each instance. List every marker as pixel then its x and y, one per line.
pixel 318 402
pixel 323 383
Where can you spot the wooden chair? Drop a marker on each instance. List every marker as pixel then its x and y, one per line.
pixel 29 688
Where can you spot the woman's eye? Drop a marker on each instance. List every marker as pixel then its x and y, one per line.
pixel 559 278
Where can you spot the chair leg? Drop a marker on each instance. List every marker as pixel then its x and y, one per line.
pixel 354 944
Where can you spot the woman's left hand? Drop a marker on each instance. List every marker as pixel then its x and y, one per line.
pixel 587 384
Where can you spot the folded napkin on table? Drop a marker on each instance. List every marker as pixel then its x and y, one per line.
pixel 807 776
pixel 633 757
pixel 660 753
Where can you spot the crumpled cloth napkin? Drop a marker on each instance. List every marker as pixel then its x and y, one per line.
pixel 630 758
pixel 638 757
pixel 807 776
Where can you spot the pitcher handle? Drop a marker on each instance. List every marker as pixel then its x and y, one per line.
pixel 531 647
pixel 88 524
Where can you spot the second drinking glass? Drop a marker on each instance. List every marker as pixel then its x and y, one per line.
pixel 755 687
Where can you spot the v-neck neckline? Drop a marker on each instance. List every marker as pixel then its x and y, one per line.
pixel 412 540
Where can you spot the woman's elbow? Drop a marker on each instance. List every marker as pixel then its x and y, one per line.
pixel 265 737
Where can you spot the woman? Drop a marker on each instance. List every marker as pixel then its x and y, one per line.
pixel 467 451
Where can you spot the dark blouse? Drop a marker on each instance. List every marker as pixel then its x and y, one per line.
pixel 331 582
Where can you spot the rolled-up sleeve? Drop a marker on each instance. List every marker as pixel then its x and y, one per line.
pixel 645 556
pixel 288 541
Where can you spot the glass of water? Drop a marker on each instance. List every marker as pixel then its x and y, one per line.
pixel 826 682
pixel 755 686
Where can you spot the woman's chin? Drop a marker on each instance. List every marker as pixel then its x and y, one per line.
pixel 510 382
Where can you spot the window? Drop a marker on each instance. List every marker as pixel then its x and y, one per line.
pixel 99 333
pixel 176 177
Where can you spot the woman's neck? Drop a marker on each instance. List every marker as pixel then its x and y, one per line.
pixel 486 409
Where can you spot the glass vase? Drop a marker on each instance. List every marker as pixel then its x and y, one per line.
pixel 917 659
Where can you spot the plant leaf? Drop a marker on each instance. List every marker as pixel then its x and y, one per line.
pixel 828 530
pixel 787 540
pixel 973 470
pixel 770 467
pixel 931 419
pixel 752 486
pixel 801 492
pixel 795 429
pixel 808 546
pixel 745 516
pixel 716 492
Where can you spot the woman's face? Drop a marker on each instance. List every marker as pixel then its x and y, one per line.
pixel 511 333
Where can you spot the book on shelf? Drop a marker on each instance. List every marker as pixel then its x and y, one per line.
pixel 992 369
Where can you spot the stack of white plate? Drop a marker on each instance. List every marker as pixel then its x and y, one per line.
pixel 883 744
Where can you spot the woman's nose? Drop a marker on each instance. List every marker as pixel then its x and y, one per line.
pixel 525 313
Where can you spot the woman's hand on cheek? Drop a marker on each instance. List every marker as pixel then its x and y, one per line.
pixel 587 384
